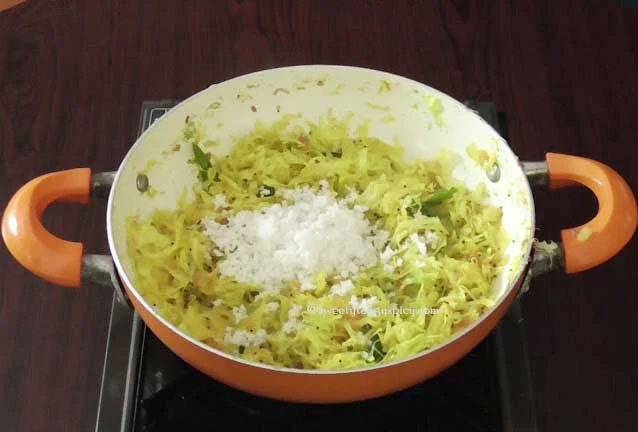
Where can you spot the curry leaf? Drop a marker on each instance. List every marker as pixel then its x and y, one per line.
pixel 376 348
pixel 200 159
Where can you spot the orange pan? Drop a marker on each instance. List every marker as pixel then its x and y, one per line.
pixel 451 126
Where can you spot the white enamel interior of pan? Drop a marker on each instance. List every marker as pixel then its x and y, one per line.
pixel 398 112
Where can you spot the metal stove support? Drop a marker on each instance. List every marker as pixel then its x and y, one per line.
pixel 117 393
pixel 116 405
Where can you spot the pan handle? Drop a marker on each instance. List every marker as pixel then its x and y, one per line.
pixel 45 255
pixel 51 258
pixel 604 236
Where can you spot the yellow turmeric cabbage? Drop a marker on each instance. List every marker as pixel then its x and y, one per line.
pixel 176 272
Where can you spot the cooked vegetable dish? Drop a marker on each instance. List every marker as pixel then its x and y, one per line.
pixel 316 247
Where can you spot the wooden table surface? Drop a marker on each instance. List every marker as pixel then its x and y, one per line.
pixel 73 75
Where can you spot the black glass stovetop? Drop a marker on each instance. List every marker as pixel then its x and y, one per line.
pixel 145 387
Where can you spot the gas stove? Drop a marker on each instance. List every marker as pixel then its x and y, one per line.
pixel 146 388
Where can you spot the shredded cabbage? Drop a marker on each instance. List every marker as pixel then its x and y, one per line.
pixel 175 271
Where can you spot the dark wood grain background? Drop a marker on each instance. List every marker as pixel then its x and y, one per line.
pixel 74 73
